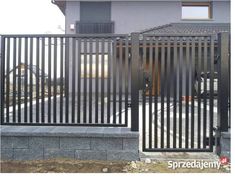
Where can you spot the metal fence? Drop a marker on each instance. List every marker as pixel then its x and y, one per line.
pixel 65 80
pixel 96 80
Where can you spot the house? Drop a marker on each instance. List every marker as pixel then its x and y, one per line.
pixel 126 16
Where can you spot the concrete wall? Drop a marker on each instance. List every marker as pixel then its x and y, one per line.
pixel 137 16
pixel 94 143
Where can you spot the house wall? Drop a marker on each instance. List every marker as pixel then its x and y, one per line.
pixel 137 16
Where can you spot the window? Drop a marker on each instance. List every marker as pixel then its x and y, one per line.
pixel 196 10
pixel 93 66
pixel 95 18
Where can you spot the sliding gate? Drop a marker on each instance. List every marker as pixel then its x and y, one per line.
pixel 179 93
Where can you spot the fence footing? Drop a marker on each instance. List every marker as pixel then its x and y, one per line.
pixel 84 143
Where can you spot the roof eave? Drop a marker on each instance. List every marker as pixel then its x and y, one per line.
pixel 60 4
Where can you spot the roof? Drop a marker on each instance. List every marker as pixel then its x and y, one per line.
pixel 189 28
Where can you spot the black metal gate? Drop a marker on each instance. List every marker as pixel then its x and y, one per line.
pixel 180 103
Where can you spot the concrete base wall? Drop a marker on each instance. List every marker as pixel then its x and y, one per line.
pixel 34 143
pixel 225 144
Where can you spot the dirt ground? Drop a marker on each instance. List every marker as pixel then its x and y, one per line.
pixel 79 166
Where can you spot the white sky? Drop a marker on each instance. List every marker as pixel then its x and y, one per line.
pixel 30 17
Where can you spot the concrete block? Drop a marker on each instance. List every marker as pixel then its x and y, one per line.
pixel 28 154
pixel 130 155
pixel 130 144
pixel 6 142
pixel 91 154
pixel 6 154
pixel 14 142
pixel 74 143
pixel 44 142
pixel 58 153
pixel 106 144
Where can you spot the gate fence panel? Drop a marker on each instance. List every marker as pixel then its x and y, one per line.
pixel 65 80
pixel 179 97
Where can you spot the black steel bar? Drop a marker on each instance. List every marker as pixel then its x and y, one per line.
pixel 90 79
pixel 144 96
pixel 150 90
pixel 134 82
pixel 211 107
pixel 49 81
pixel 109 80
pixel 175 89
pixel 8 79
pixel 37 80
pixel 3 41
pixel 120 70
pixel 85 83
pixel 43 81
pixel 96 80
pixel 70 35
pixel 187 94
pixel 180 90
pixel 73 79
pixel 156 50
pixel 126 78
pixel 102 80
pixel 19 80
pixel 176 150
pixel 114 78
pixel 162 91
pixel 30 82
pixel 223 81
pixel 192 89
pixel 61 78
pixel 168 89
pixel 78 80
pixel 199 91
pixel 67 49
pixel 205 93
pixel 55 82
pixel 66 124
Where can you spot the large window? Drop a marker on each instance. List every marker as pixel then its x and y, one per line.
pixel 196 10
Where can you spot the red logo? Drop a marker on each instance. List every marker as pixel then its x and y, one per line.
pixel 224 160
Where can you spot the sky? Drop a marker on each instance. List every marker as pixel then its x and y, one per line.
pixel 30 17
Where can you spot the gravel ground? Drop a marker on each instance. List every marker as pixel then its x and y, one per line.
pixel 79 166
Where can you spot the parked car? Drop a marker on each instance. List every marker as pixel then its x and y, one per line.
pixel 202 82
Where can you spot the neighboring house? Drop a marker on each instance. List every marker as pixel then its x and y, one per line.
pixel 126 16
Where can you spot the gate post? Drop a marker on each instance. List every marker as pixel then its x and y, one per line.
pixel 134 82
pixel 2 75
pixel 223 81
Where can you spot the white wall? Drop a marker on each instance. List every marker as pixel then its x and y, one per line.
pixel 137 16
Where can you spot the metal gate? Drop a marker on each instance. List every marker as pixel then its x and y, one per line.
pixel 179 106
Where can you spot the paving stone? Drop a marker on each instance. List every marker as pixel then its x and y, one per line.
pixel 28 154
pixel 106 144
pixel 14 142
pixel 44 142
pixel 131 155
pixel 130 144
pixel 74 143
pixel 69 131
pixel 95 132
pixel 58 153
pixel 91 155
pixel 6 154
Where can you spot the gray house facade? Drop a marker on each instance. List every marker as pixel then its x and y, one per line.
pixel 126 16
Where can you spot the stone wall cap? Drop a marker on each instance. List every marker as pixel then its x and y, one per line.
pixel 69 131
